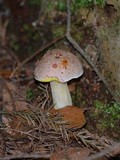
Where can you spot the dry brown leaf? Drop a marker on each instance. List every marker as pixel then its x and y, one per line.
pixel 12 103
pixel 9 98
pixel 71 153
pixel 73 115
pixel 5 73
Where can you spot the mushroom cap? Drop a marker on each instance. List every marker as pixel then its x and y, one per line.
pixel 58 65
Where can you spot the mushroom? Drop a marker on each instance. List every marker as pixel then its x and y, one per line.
pixel 58 67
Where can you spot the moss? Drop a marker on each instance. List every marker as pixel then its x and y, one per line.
pixel 30 94
pixel 108 115
pixel 77 96
pixel 57 32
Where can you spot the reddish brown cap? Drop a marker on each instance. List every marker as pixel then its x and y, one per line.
pixel 58 65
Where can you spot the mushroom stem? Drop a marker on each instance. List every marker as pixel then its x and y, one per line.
pixel 61 95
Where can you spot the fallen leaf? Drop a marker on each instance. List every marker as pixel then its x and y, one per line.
pixel 73 115
pixel 5 73
pixel 71 153
pixel 10 100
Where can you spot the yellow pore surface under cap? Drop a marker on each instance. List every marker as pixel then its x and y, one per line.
pixel 49 79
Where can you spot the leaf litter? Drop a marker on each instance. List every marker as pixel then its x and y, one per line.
pixel 29 127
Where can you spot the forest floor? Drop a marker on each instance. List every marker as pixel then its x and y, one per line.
pixel 25 123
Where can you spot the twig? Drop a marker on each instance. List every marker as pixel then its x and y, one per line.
pixel 108 151
pixel 85 56
pixel 26 155
pixel 3 30
pixel 4 82
pixel 12 54
pixel 34 55
pixel 20 132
